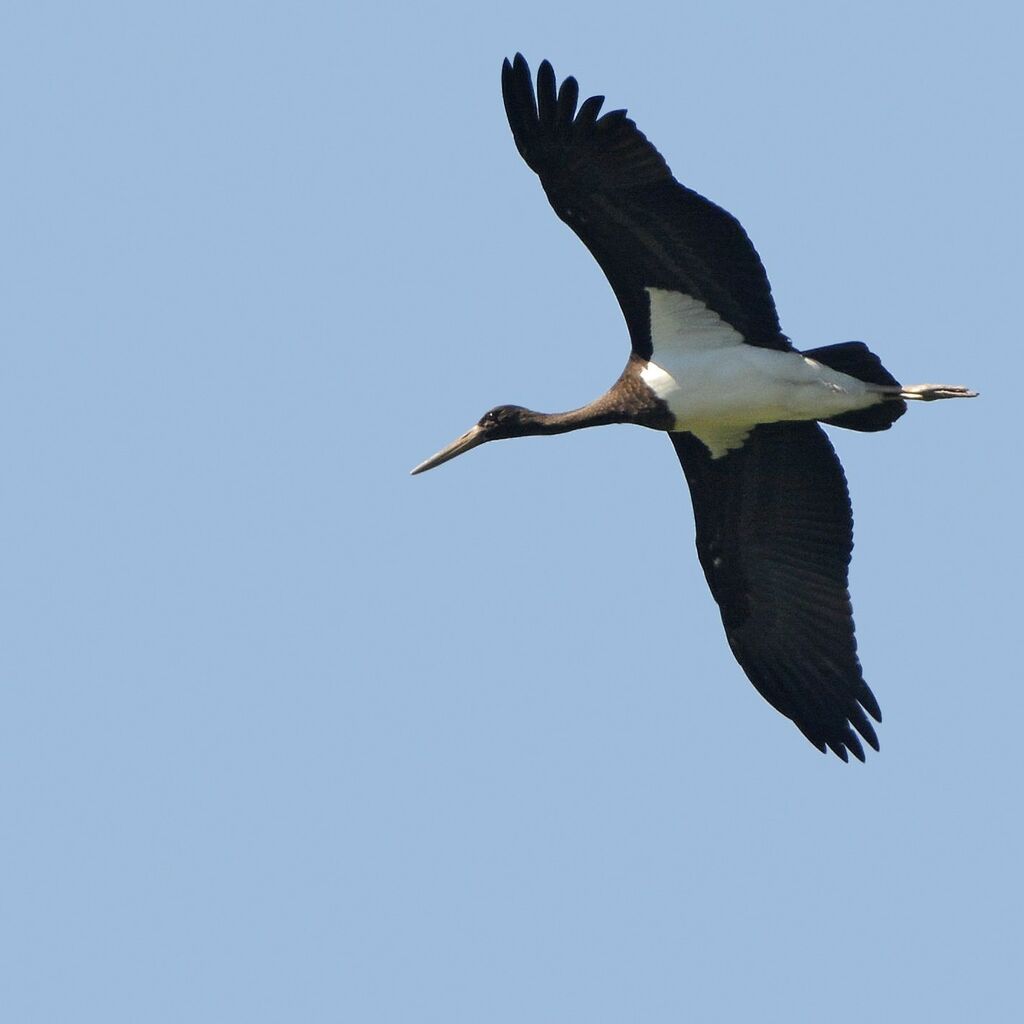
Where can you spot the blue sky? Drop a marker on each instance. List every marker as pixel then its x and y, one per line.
pixel 288 735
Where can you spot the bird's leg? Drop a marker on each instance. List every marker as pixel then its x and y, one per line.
pixel 932 392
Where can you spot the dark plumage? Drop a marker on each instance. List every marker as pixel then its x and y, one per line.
pixel 711 366
pixel 614 189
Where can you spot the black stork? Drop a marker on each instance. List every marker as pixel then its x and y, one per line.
pixel 711 366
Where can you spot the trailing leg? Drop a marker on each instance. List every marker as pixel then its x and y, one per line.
pixel 933 392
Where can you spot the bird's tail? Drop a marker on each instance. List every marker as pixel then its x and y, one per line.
pixel 857 360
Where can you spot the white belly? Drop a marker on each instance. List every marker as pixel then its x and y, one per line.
pixel 718 387
pixel 747 385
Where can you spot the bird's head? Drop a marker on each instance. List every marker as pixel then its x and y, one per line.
pixel 500 422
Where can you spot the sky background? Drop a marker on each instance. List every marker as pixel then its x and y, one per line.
pixel 286 735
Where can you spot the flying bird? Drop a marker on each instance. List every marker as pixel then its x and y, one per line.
pixel 710 366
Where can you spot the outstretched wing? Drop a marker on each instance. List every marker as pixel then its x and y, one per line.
pixel 774 536
pixel 614 189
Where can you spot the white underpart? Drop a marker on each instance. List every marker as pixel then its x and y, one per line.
pixel 719 388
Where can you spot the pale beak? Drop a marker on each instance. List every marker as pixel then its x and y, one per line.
pixel 470 439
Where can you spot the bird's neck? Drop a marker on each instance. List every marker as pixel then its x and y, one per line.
pixel 595 414
pixel 629 400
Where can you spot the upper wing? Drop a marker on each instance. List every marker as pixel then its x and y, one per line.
pixel 774 536
pixel 614 189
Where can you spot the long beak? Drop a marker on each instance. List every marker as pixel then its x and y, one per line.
pixel 470 439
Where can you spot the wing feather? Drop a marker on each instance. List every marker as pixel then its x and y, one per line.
pixel 615 190
pixel 774 537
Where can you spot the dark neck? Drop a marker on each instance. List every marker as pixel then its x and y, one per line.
pixel 595 414
pixel 629 400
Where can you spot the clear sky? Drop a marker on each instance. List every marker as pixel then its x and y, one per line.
pixel 287 735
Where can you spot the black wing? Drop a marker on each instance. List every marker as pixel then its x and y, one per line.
pixel 614 189
pixel 774 536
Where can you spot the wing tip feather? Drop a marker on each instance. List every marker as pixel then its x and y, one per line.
pixel 566 141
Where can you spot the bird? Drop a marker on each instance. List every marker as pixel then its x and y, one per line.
pixel 710 366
